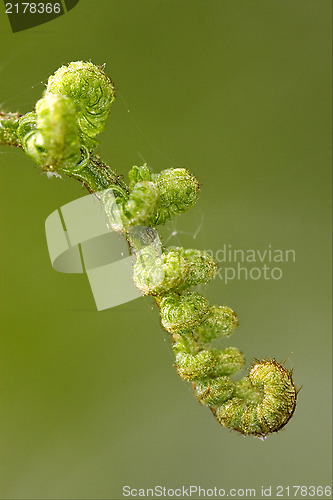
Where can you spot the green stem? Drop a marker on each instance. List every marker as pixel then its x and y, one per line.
pixel 97 176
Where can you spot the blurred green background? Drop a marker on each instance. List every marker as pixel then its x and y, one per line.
pixel 239 93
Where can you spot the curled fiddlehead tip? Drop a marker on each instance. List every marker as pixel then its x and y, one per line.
pixel 92 92
pixel 262 403
pixel 178 190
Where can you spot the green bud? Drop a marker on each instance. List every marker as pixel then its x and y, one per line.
pixel 139 174
pixel 220 322
pixel 181 312
pixel 178 190
pixel 194 367
pixel 53 140
pixel 202 267
pixel 158 274
pixel 91 92
pixel 142 200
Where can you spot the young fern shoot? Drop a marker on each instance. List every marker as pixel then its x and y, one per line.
pixel 60 135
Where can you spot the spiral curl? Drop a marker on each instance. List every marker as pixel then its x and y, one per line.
pixel 257 405
pixel 177 188
pixel 91 92
pixel 276 395
pixel 175 270
pixel 181 312
pixel 60 135
pixel 50 135
pixel 155 273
